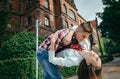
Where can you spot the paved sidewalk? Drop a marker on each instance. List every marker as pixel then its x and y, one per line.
pixel 110 70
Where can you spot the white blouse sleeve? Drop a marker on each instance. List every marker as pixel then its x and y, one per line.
pixel 68 61
pixel 74 27
pixel 85 44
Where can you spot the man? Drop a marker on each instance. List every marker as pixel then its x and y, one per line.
pixel 50 71
pixel 71 56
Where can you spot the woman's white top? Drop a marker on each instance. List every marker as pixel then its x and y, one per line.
pixel 68 57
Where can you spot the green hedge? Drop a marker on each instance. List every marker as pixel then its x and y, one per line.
pixel 17 58
pixel 23 68
pixel 21 45
pixel 69 71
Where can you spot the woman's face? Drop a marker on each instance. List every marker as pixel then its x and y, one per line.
pixel 98 60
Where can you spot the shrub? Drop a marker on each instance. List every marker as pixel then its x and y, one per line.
pixel 17 57
pixel 69 71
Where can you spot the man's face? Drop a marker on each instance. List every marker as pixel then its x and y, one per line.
pixel 80 36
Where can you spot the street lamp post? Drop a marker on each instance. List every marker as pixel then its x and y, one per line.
pixel 37 32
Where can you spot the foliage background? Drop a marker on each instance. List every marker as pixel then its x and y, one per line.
pixel 18 58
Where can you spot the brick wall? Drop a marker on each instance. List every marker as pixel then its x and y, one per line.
pixel 55 13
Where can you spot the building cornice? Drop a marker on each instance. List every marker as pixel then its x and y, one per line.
pixel 71 2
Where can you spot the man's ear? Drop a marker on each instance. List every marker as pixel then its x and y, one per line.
pixel 76 31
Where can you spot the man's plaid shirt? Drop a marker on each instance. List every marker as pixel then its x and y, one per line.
pixel 61 34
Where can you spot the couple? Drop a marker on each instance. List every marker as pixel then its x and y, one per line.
pixel 65 48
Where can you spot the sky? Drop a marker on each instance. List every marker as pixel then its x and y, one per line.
pixel 88 8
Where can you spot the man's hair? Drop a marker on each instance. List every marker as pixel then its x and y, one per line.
pixel 87 27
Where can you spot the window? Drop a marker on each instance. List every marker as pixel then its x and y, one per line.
pixel 46 4
pixel 1 22
pixel 80 21
pixel 66 24
pixel 72 15
pixel 29 20
pixel 71 25
pixel 64 9
pixel 4 5
pixel 29 4
pixel 10 6
pixel 47 21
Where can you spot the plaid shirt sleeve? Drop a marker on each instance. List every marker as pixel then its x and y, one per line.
pixel 61 34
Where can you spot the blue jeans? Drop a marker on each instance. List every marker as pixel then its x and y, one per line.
pixel 50 71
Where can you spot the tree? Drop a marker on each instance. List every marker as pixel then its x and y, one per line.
pixel 110 25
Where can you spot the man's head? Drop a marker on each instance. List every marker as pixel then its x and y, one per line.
pixel 83 31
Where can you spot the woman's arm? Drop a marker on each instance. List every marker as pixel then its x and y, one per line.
pixel 68 61
pixel 68 37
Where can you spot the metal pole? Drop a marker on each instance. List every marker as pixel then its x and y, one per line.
pixel 37 21
pixel 37 32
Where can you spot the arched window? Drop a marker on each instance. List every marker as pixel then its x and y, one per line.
pixel 72 15
pixel 47 21
pixel 29 20
pixel 64 9
pixel 46 4
pixel 71 25
pixel 66 24
pixel 4 5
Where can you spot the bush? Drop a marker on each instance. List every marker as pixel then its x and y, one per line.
pixel 69 71
pixel 21 45
pixel 17 57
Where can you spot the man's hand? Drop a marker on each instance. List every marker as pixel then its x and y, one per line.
pixel 68 37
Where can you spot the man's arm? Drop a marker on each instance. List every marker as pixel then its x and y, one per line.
pixel 68 62
pixel 87 54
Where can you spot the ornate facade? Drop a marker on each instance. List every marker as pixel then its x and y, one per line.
pixel 53 14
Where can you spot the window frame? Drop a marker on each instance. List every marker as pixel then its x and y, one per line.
pixel 4 5
pixel 66 24
pixel 47 21
pixel 46 4
pixel 72 14
pixel 29 20
pixel 64 9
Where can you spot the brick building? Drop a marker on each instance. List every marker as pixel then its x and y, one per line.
pixel 18 15
pixel 54 14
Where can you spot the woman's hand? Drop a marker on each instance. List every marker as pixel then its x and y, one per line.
pixel 53 40
pixel 54 37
